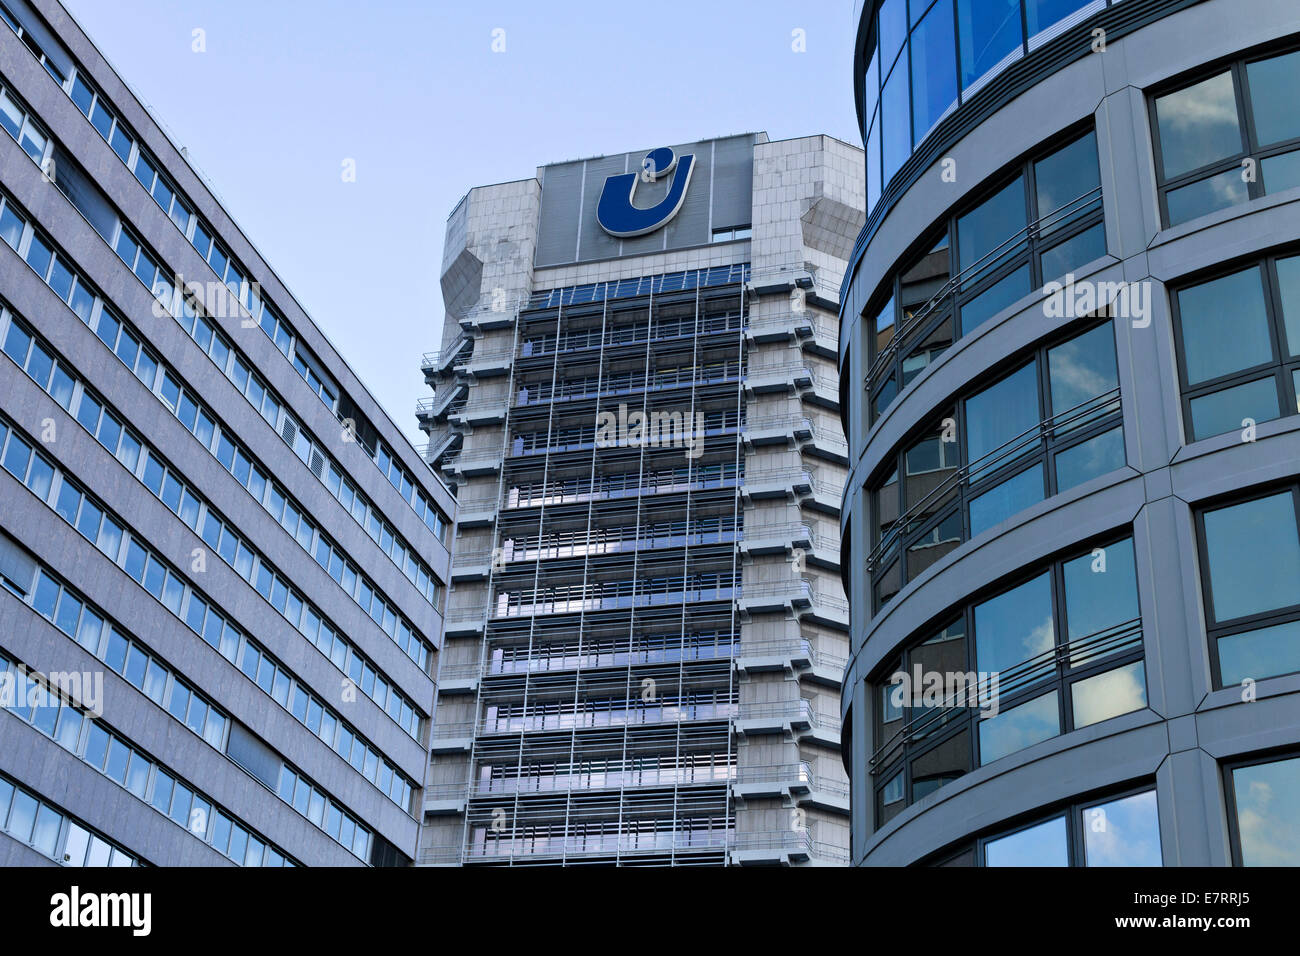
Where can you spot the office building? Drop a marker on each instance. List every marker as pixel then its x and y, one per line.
pixel 223 566
pixel 1071 337
pixel 635 400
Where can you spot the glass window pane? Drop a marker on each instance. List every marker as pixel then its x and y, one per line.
pixel 1266 652
pixel 985 229
pixel 994 299
pixel 1124 832
pixel 1085 461
pixel 1198 125
pixel 990 31
pixel 1079 371
pixel 1281 172
pixel 1202 198
pixel 934 68
pixel 1015 626
pixel 873 165
pixel 1109 694
pixel 1020 727
pixel 1100 591
pixel 74 850
pixel 1288 275
pixel 893 30
pixel 1231 408
pixel 1268 812
pixel 1224 325
pixel 22 817
pixel 998 417
pixel 1041 14
pixel 1253 554
pixel 1061 179
pixel 1006 499
pixel 1041 845
pixel 1076 251
pixel 46 835
pixel 896 120
pixel 1273 84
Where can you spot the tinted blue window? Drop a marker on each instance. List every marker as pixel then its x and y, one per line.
pixel 1010 497
pixel 1266 652
pixel 1234 408
pixel 1041 14
pixel 1076 251
pixel 1014 626
pixel 1254 556
pixel 994 299
pixel 999 415
pixel 1124 832
pixel 990 29
pixel 1198 125
pixel 1209 195
pixel 1061 179
pixel 1022 726
pixel 896 120
pixel 893 31
pixel 988 227
pixel 1273 84
pixel 1225 326
pixel 934 67
pixel 1268 812
pixel 1085 461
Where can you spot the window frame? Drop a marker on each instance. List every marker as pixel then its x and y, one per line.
pixel 1236 66
pixel 1049 447
pixel 1282 368
pixel 1226 769
pixel 1060 680
pixel 1028 252
pixel 1214 629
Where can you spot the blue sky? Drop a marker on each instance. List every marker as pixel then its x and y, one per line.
pixel 287 90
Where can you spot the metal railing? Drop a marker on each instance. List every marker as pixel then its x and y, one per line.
pixel 1040 667
pixel 903 330
pixel 1098 406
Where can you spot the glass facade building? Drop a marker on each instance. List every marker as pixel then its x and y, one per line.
pixel 646 629
pixel 1070 350
pixel 223 568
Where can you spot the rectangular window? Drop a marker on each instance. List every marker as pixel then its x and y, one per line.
pixel 1250 573
pixel 1208 133
pixel 1264 812
pixel 1238 338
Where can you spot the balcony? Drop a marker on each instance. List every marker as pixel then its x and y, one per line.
pixel 480 461
pixel 785 848
pixel 795 718
pixel 794 657
pixel 438 363
pixel 470 565
pixel 794 782
pixel 499 314
pixel 485 362
pixel 790 379
pixel 784 280
pixel 456 737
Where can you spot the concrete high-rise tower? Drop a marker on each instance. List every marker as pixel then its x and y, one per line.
pixel 636 402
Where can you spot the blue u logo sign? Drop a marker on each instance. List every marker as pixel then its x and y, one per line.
pixel 616 211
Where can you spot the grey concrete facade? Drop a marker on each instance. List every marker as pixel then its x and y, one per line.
pixel 289 719
pixel 1188 729
pixel 720 588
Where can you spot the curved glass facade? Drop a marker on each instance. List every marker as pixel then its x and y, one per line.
pixel 929 56
pixel 1075 568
